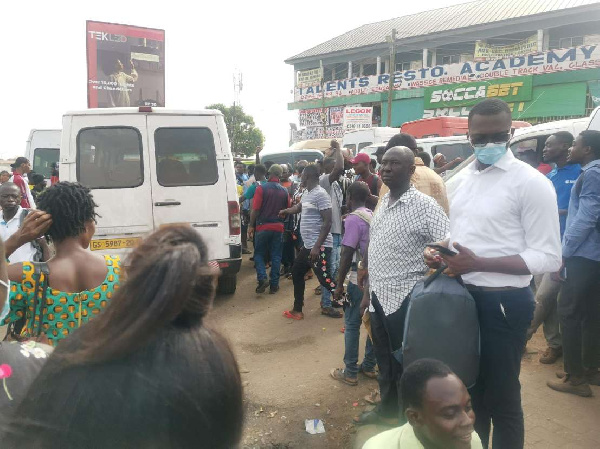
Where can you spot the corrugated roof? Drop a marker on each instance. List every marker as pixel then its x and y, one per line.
pixel 438 20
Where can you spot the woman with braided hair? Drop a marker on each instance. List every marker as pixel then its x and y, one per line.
pixel 148 372
pixel 76 284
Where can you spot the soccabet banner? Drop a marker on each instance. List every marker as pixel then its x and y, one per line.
pixel 125 65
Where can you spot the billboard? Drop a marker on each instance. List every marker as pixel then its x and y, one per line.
pixel 358 117
pixel 125 65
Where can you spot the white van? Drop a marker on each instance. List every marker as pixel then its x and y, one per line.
pixel 356 139
pixel 451 147
pixel 42 150
pixel 153 167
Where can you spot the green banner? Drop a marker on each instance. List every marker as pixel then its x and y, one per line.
pixel 465 94
pixel 558 100
pixel 594 89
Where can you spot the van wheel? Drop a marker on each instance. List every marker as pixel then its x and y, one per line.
pixel 227 284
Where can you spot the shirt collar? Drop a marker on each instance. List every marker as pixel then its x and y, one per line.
pixel 404 198
pixel 419 161
pixel 17 215
pixel 504 163
pixel 589 165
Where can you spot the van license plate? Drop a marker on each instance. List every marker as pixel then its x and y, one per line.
pixel 98 245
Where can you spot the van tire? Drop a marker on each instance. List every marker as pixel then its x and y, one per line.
pixel 227 284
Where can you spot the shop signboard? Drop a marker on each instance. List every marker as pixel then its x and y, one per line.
pixel 485 51
pixel 464 94
pixel 125 65
pixel 309 77
pixel 576 58
pixel 358 117
pixel 314 117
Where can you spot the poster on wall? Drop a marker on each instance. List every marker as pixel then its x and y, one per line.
pixel 485 51
pixel 125 65
pixel 309 77
pixel 358 117
pixel 336 115
pixel 314 117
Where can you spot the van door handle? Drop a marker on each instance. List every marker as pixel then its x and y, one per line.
pixel 168 203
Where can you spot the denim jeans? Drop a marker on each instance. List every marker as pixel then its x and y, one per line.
pixel 353 320
pixel 579 312
pixel 268 242
pixel 504 317
pixel 334 263
pixel 546 312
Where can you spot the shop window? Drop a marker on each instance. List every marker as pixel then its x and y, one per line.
pixel 450 59
pixel 402 66
pixel 566 42
pixel 370 69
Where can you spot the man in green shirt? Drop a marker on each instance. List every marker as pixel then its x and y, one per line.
pixel 438 409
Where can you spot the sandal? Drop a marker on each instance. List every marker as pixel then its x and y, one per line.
pixel 292 316
pixel 374 397
pixel 369 374
pixel 331 312
pixel 340 374
pixel 318 290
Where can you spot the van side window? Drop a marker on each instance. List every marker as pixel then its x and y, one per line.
pixel 43 159
pixel 110 158
pixel 364 144
pixel 185 157
pixel 453 150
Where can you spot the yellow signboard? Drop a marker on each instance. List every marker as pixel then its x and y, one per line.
pixel 487 51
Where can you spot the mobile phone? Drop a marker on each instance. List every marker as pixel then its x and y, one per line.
pixel 441 249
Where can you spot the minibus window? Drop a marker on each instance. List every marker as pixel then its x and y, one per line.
pixel 109 158
pixel 185 157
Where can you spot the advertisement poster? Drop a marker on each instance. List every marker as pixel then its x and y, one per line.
pixel 125 65
pixel 309 77
pixel 486 51
pixel 358 117
pixel 554 61
pixel 313 117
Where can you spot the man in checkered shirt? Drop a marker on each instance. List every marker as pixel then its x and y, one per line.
pixel 404 223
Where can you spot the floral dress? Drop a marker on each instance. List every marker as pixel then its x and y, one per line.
pixel 63 311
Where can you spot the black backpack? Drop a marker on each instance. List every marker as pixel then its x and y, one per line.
pixel 442 323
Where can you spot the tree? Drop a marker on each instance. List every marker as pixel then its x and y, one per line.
pixel 243 134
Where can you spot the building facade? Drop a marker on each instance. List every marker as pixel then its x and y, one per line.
pixel 543 58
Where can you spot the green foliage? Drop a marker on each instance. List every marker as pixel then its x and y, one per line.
pixel 243 134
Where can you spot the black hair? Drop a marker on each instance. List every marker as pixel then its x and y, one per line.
pixel 260 169
pixel 564 137
pixel 425 157
pixel 402 140
pixel 146 372
pixel 71 206
pixel 251 168
pixel 312 170
pixel 591 138
pixel 489 106
pixel 240 163
pixel 4 172
pixel 19 161
pixel 301 165
pixel 415 378
pixel 380 150
pixel 359 191
pixel 35 178
pixel 373 164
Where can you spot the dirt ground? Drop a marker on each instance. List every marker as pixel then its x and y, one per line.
pixel 285 369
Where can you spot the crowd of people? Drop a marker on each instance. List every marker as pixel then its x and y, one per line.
pixel 103 346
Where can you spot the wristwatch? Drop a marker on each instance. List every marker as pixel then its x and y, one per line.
pixel 360 265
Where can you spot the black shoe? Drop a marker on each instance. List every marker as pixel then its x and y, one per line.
pixel 262 286
pixel 274 289
pixel 246 251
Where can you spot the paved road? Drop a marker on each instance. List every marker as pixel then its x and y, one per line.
pixel 286 367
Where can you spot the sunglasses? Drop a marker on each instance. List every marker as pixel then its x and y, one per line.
pixel 483 139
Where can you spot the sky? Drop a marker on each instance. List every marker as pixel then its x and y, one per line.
pixel 44 72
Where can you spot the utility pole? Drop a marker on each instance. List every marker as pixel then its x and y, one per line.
pixel 323 114
pixel 237 87
pixel 392 40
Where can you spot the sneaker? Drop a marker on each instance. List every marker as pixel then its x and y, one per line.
pixel 262 286
pixel 550 356
pixel 340 374
pixel 577 387
pixel 274 289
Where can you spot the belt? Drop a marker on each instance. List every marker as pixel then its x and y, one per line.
pixel 476 288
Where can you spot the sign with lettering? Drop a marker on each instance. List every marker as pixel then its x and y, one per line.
pixel 464 94
pixel 358 117
pixel 309 77
pixel 576 58
pixel 486 51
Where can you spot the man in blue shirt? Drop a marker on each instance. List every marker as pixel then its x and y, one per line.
pixel 579 298
pixel 563 178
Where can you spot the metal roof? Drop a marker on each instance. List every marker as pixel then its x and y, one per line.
pixel 455 17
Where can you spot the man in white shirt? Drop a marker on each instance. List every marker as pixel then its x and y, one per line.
pixel 10 201
pixel 504 225
pixel 405 221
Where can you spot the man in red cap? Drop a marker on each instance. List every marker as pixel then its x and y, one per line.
pixel 361 164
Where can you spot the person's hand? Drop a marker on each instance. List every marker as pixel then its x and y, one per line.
pixel 35 225
pixel 284 213
pixel 362 275
pixel 314 255
pixel 458 160
pixel 432 258
pixel 558 276
pixel 364 304
pixel 338 292
pixel 132 64
pixel 250 233
pixel 465 261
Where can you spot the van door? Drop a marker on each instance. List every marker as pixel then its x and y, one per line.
pixel 188 177
pixel 110 158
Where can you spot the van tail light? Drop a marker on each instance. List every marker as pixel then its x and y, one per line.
pixel 145 109
pixel 235 221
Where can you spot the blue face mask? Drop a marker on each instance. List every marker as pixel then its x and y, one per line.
pixel 490 153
